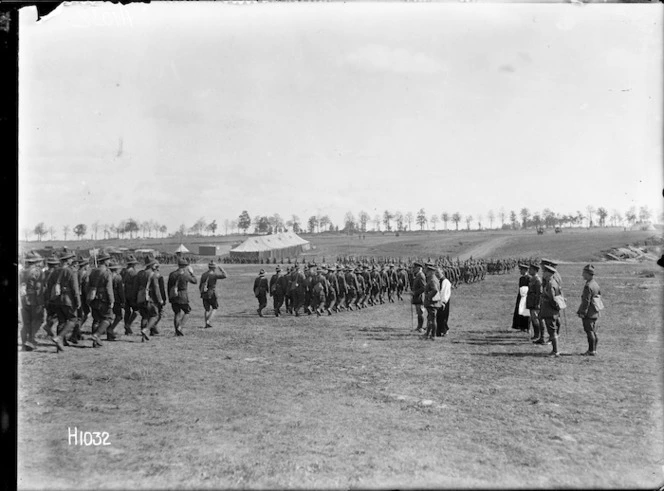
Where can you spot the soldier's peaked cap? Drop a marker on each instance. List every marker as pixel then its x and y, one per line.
pixel 549 262
pixel 212 264
pixel 523 265
pixel 550 268
pixel 589 268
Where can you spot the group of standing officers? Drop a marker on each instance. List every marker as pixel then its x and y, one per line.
pixel 540 303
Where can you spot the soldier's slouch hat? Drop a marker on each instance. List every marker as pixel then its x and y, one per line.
pixel 183 262
pixel 67 255
pixel 102 257
pixel 150 261
pixel 417 264
pixel 131 260
pixel 589 268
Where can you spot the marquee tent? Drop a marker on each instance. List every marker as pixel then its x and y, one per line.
pixel 181 249
pixel 275 246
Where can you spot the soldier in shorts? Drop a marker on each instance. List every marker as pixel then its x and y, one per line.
pixel 148 297
pixel 178 284
pixel 119 299
pixel 208 289
pixel 66 297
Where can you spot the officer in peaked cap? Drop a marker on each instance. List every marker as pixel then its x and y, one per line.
pixel 589 310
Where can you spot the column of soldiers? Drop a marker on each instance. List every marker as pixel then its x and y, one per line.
pixel 62 296
pixel 330 288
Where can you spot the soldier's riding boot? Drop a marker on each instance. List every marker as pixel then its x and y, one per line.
pixel 420 323
pixel 554 344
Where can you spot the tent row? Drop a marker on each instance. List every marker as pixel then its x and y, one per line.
pixel 275 246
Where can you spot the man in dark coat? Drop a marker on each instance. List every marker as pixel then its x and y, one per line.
pixel 66 297
pixel 32 300
pixel 100 298
pixel 119 297
pixel 278 289
pixel 261 287
pixel 148 297
pixel 419 285
pixel 533 301
pixel 128 275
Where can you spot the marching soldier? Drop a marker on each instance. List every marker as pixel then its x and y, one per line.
pixel 178 296
pixel 51 321
pixel 366 294
pixel 100 299
pixel 261 287
pixel 83 271
pixel 164 296
pixel 418 288
pixel 402 281
pixel 130 288
pixel 392 283
pixel 341 292
pixel 330 301
pixel 288 297
pixel 118 296
pixel 351 287
pixel 319 291
pixel 297 289
pixel 278 289
pixel 208 289
pixel 66 297
pixel 361 289
pixel 589 310
pixel 148 297
pixel 32 300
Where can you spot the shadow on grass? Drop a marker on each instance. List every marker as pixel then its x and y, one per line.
pixel 523 355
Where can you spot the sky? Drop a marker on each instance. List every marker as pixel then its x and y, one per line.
pixel 174 111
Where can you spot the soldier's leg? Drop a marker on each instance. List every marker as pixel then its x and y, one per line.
pixel 37 319
pixel 534 320
pixel 186 310
pixel 431 322
pixel 420 316
pixel 118 315
pixel 67 320
pixel 553 334
pixel 26 323
pixel 104 318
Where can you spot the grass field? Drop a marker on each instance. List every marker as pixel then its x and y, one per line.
pixel 357 399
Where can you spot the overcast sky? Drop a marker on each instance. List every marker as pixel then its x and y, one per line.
pixel 175 111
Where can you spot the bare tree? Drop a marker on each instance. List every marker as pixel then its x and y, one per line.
pixel 40 231
pixel 492 216
pixel 65 231
pixel 376 222
pixel 644 214
pixel 26 234
pixel 434 220
pixel 387 218
pixel 469 218
pixel 456 218
pixel 421 218
pixel 51 232
pixel 445 217
pixel 95 228
pixel 398 217
pixel 364 218
pixel 502 216
pixel 409 220
pixel 163 229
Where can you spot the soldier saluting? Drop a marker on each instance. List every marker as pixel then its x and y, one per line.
pixel 208 289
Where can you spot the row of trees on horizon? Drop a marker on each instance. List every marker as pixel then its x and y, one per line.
pixel 386 222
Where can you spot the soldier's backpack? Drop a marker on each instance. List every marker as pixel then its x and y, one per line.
pixel 173 290
pixel 143 294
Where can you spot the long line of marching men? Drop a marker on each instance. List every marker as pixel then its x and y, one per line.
pixel 63 296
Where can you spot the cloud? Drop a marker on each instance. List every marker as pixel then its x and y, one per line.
pixel 507 68
pixel 375 57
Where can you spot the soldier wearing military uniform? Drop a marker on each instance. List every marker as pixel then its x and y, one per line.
pixel 533 302
pixel 100 298
pixel 208 289
pixel 402 281
pixel 278 289
pixel 375 285
pixel 549 310
pixel 83 272
pixel 320 288
pixel 148 297
pixel 178 296
pixel 119 298
pixel 51 321
pixel 432 301
pixel 164 296
pixel 297 289
pixel 366 294
pixel 333 291
pixel 589 310
pixel 261 287
pixel 129 282
pixel 66 296
pixel 418 288
pixel 341 292
pixel 351 287
pixel 32 300
pixel 361 288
